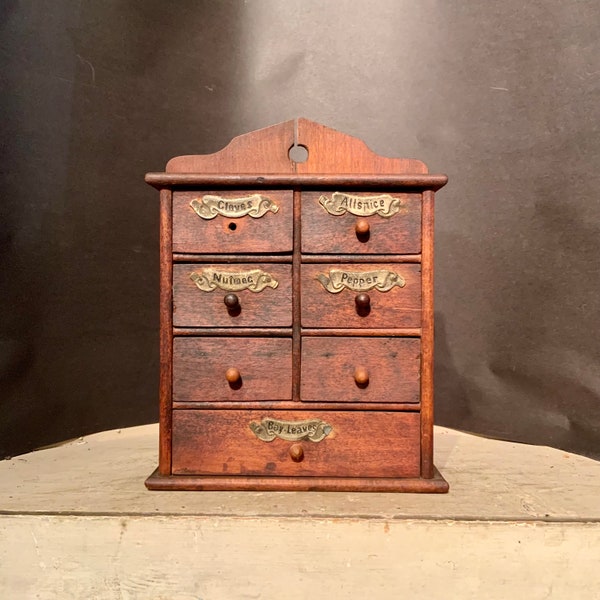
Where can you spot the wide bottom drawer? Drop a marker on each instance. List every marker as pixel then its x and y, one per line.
pixel 297 443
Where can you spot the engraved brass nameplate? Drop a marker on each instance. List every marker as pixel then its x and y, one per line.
pixel 292 431
pixel 363 281
pixel 255 206
pixel 383 205
pixel 210 279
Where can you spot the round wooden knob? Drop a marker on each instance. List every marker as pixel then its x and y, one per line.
pixel 296 452
pixel 362 301
pixel 362 227
pixel 231 301
pixel 361 376
pixel 233 375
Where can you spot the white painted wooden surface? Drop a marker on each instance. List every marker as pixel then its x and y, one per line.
pixel 104 474
pixel 215 558
pixel 519 522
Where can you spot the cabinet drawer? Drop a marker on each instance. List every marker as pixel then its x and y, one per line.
pixel 337 369
pixel 357 225
pixel 257 368
pixel 263 293
pixel 361 296
pixel 365 444
pixel 232 221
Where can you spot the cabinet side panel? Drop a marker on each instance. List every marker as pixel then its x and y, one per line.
pixel 166 329
pixel 427 338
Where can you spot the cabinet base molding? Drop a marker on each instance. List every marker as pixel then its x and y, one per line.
pixel 437 484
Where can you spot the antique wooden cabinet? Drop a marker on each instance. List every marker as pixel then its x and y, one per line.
pixel 296 317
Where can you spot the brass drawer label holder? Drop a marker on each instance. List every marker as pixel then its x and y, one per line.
pixel 255 280
pixel 268 429
pixel 255 206
pixel 339 203
pixel 382 280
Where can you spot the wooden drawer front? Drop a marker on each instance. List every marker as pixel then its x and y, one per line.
pixel 397 307
pixel 193 306
pixel 334 369
pixel 200 368
pixel 365 444
pixel 271 232
pixel 324 233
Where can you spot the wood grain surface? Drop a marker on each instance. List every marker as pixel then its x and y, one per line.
pixel 165 336
pixel 336 234
pixel 330 151
pixel 356 348
pixel 359 258
pixel 329 365
pixel 263 180
pixel 270 233
pixel 193 307
pixel 427 468
pixel 296 405
pixel 200 364
pixel 492 481
pixel 261 151
pixel 60 503
pixel 398 307
pixel 384 444
pixel 267 151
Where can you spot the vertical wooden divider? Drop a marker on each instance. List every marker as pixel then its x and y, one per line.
pixel 296 300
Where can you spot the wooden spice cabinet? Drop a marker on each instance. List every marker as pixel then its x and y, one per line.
pixel 296 339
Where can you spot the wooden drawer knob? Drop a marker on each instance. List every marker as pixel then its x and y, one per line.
pixel 233 375
pixel 363 301
pixel 362 227
pixel 232 302
pixel 361 376
pixel 297 452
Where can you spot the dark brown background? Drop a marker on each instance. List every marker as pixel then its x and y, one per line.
pixel 503 97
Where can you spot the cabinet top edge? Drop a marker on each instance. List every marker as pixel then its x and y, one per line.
pixel 297 180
